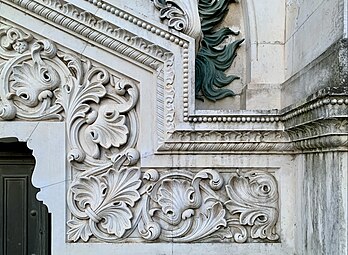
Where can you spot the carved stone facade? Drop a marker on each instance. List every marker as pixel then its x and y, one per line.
pixel 129 159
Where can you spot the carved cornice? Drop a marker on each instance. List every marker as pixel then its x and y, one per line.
pixel 98 30
pixel 329 133
pixel 321 122
pixel 251 141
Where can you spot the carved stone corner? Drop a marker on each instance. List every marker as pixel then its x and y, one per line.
pixel 111 198
pixel 321 122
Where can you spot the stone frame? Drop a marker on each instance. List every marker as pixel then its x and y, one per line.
pixel 179 126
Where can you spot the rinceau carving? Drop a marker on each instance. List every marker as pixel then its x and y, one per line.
pixel 113 199
pixel 175 205
pixel 110 197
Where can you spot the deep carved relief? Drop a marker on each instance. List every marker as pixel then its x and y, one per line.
pixel 174 206
pixel 218 141
pixel 181 15
pixel 110 198
pixel 320 123
pixel 31 77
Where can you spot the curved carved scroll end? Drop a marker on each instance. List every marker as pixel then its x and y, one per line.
pixel 216 180
pixel 181 15
pixel 101 205
pixel 149 231
pixel 129 90
pixel 101 119
pixel 7 111
pixel 132 156
pixel 76 155
pixel 151 175
pixel 32 81
pixel 128 158
pixel 44 48
pixel 12 38
pixel 254 198
pixel 237 232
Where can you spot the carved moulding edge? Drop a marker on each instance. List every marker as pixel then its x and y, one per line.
pixel 231 141
pixel 106 34
pixel 319 124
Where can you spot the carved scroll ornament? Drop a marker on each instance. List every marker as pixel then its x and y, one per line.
pixel 182 15
pixel 44 83
pixel 174 206
pixel 110 198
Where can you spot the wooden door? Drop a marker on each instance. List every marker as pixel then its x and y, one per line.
pixel 24 221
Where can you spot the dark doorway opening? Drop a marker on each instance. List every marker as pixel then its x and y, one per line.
pixel 25 224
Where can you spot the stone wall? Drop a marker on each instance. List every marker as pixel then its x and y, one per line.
pixel 324 200
pixel 143 164
pixel 315 48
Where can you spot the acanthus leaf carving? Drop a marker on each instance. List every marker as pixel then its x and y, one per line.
pixel 31 80
pixel 104 201
pixel 254 196
pixel 175 198
pixel 108 199
pixel 108 129
pixel 182 15
pixel 78 229
pixel 207 223
pixel 34 83
pixel 175 206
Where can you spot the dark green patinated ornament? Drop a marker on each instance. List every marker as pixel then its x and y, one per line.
pixel 212 61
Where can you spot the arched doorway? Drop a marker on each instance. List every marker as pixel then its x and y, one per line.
pixel 24 221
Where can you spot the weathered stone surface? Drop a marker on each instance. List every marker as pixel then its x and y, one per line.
pixel 323 191
pixel 129 162
pixel 328 70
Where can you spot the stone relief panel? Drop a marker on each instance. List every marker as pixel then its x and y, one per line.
pixel 175 205
pixel 110 198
